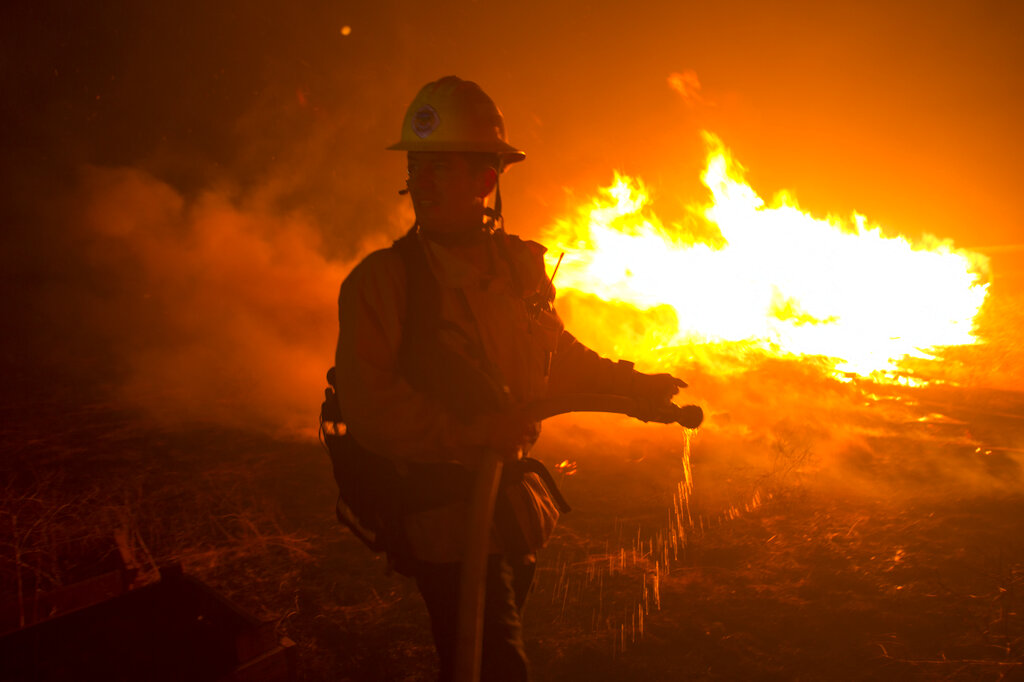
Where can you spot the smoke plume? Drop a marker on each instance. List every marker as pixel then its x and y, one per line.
pixel 220 310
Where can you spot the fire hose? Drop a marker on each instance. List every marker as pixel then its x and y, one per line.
pixel 481 512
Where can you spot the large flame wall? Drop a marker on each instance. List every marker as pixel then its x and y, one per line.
pixel 769 276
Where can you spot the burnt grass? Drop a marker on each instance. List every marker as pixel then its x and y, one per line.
pixel 807 582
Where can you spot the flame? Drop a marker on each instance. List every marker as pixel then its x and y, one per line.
pixel 740 275
pixel 567 467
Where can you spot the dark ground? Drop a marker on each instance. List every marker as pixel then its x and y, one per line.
pixel 810 581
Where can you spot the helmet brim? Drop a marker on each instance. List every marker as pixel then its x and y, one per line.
pixel 506 152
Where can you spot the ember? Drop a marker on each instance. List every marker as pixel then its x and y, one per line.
pixel 567 467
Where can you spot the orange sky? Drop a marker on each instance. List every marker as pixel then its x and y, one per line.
pixel 906 112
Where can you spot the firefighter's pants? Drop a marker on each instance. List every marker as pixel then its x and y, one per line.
pixel 508 582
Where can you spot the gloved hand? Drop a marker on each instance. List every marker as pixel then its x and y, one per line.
pixel 655 391
pixel 656 388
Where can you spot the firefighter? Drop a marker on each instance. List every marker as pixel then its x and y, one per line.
pixel 444 337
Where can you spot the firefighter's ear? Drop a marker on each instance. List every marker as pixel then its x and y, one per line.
pixel 486 181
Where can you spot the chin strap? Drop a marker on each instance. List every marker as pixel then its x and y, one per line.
pixel 492 216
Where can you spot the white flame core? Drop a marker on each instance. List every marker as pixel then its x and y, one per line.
pixel 779 278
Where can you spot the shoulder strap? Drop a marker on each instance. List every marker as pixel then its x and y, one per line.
pixel 422 292
pixel 427 364
pixel 525 259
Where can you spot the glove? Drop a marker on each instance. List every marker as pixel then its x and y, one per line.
pixel 654 392
pixel 655 388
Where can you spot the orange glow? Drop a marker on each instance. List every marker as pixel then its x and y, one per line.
pixel 740 273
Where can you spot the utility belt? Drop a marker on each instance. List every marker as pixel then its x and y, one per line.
pixel 376 495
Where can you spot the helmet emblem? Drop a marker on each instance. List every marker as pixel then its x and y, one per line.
pixel 425 121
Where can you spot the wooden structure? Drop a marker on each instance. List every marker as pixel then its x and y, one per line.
pixel 171 630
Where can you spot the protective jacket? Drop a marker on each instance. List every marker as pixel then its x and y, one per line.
pixel 403 375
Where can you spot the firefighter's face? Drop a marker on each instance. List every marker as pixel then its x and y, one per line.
pixel 447 191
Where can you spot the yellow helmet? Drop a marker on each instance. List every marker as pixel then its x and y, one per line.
pixel 453 115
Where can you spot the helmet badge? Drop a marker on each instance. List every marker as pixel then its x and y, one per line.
pixel 425 121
